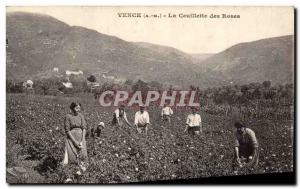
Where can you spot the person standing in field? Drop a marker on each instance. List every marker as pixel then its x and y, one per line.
pixel 119 116
pixel 75 148
pixel 246 153
pixel 166 113
pixel 142 120
pixel 193 123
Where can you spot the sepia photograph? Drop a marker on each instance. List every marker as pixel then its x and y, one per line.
pixel 150 94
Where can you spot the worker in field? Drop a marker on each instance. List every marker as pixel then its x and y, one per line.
pixel 142 120
pixel 246 153
pixel 166 113
pixel 193 123
pixel 96 131
pixel 119 116
pixel 75 148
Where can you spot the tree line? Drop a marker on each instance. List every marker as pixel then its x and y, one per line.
pixel 253 99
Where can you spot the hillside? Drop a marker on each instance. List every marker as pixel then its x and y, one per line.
pixel 200 57
pixel 38 43
pixel 267 59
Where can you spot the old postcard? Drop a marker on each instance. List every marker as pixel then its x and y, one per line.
pixel 101 95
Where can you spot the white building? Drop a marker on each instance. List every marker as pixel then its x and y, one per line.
pixel 107 76
pixel 68 72
pixel 55 69
pixel 28 84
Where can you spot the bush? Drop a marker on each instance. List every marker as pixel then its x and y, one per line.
pixel 14 86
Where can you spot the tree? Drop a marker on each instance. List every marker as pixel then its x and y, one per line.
pixel 14 87
pixel 128 82
pixel 244 89
pixel 154 85
pixel 257 94
pixel 141 86
pixel 92 78
pixel 267 84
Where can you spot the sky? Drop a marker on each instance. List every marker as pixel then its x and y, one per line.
pixel 191 35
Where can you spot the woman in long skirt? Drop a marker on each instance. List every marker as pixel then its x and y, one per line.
pixel 75 149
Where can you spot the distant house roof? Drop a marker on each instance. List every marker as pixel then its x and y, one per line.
pixel 68 72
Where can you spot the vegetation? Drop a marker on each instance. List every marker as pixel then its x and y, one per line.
pixel 35 136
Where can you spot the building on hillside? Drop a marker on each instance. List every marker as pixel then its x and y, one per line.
pixel 55 69
pixel 108 77
pixel 79 72
pixel 28 84
pixel 119 81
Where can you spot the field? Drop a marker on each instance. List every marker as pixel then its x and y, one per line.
pixel 35 141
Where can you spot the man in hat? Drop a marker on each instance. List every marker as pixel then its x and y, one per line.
pixel 246 146
pixel 142 120
pixel 193 123
pixel 166 113
pixel 119 116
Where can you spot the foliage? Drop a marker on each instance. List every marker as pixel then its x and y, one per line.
pixel 35 124
pixel 92 78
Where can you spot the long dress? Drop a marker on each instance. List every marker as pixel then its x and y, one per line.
pixel 75 124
